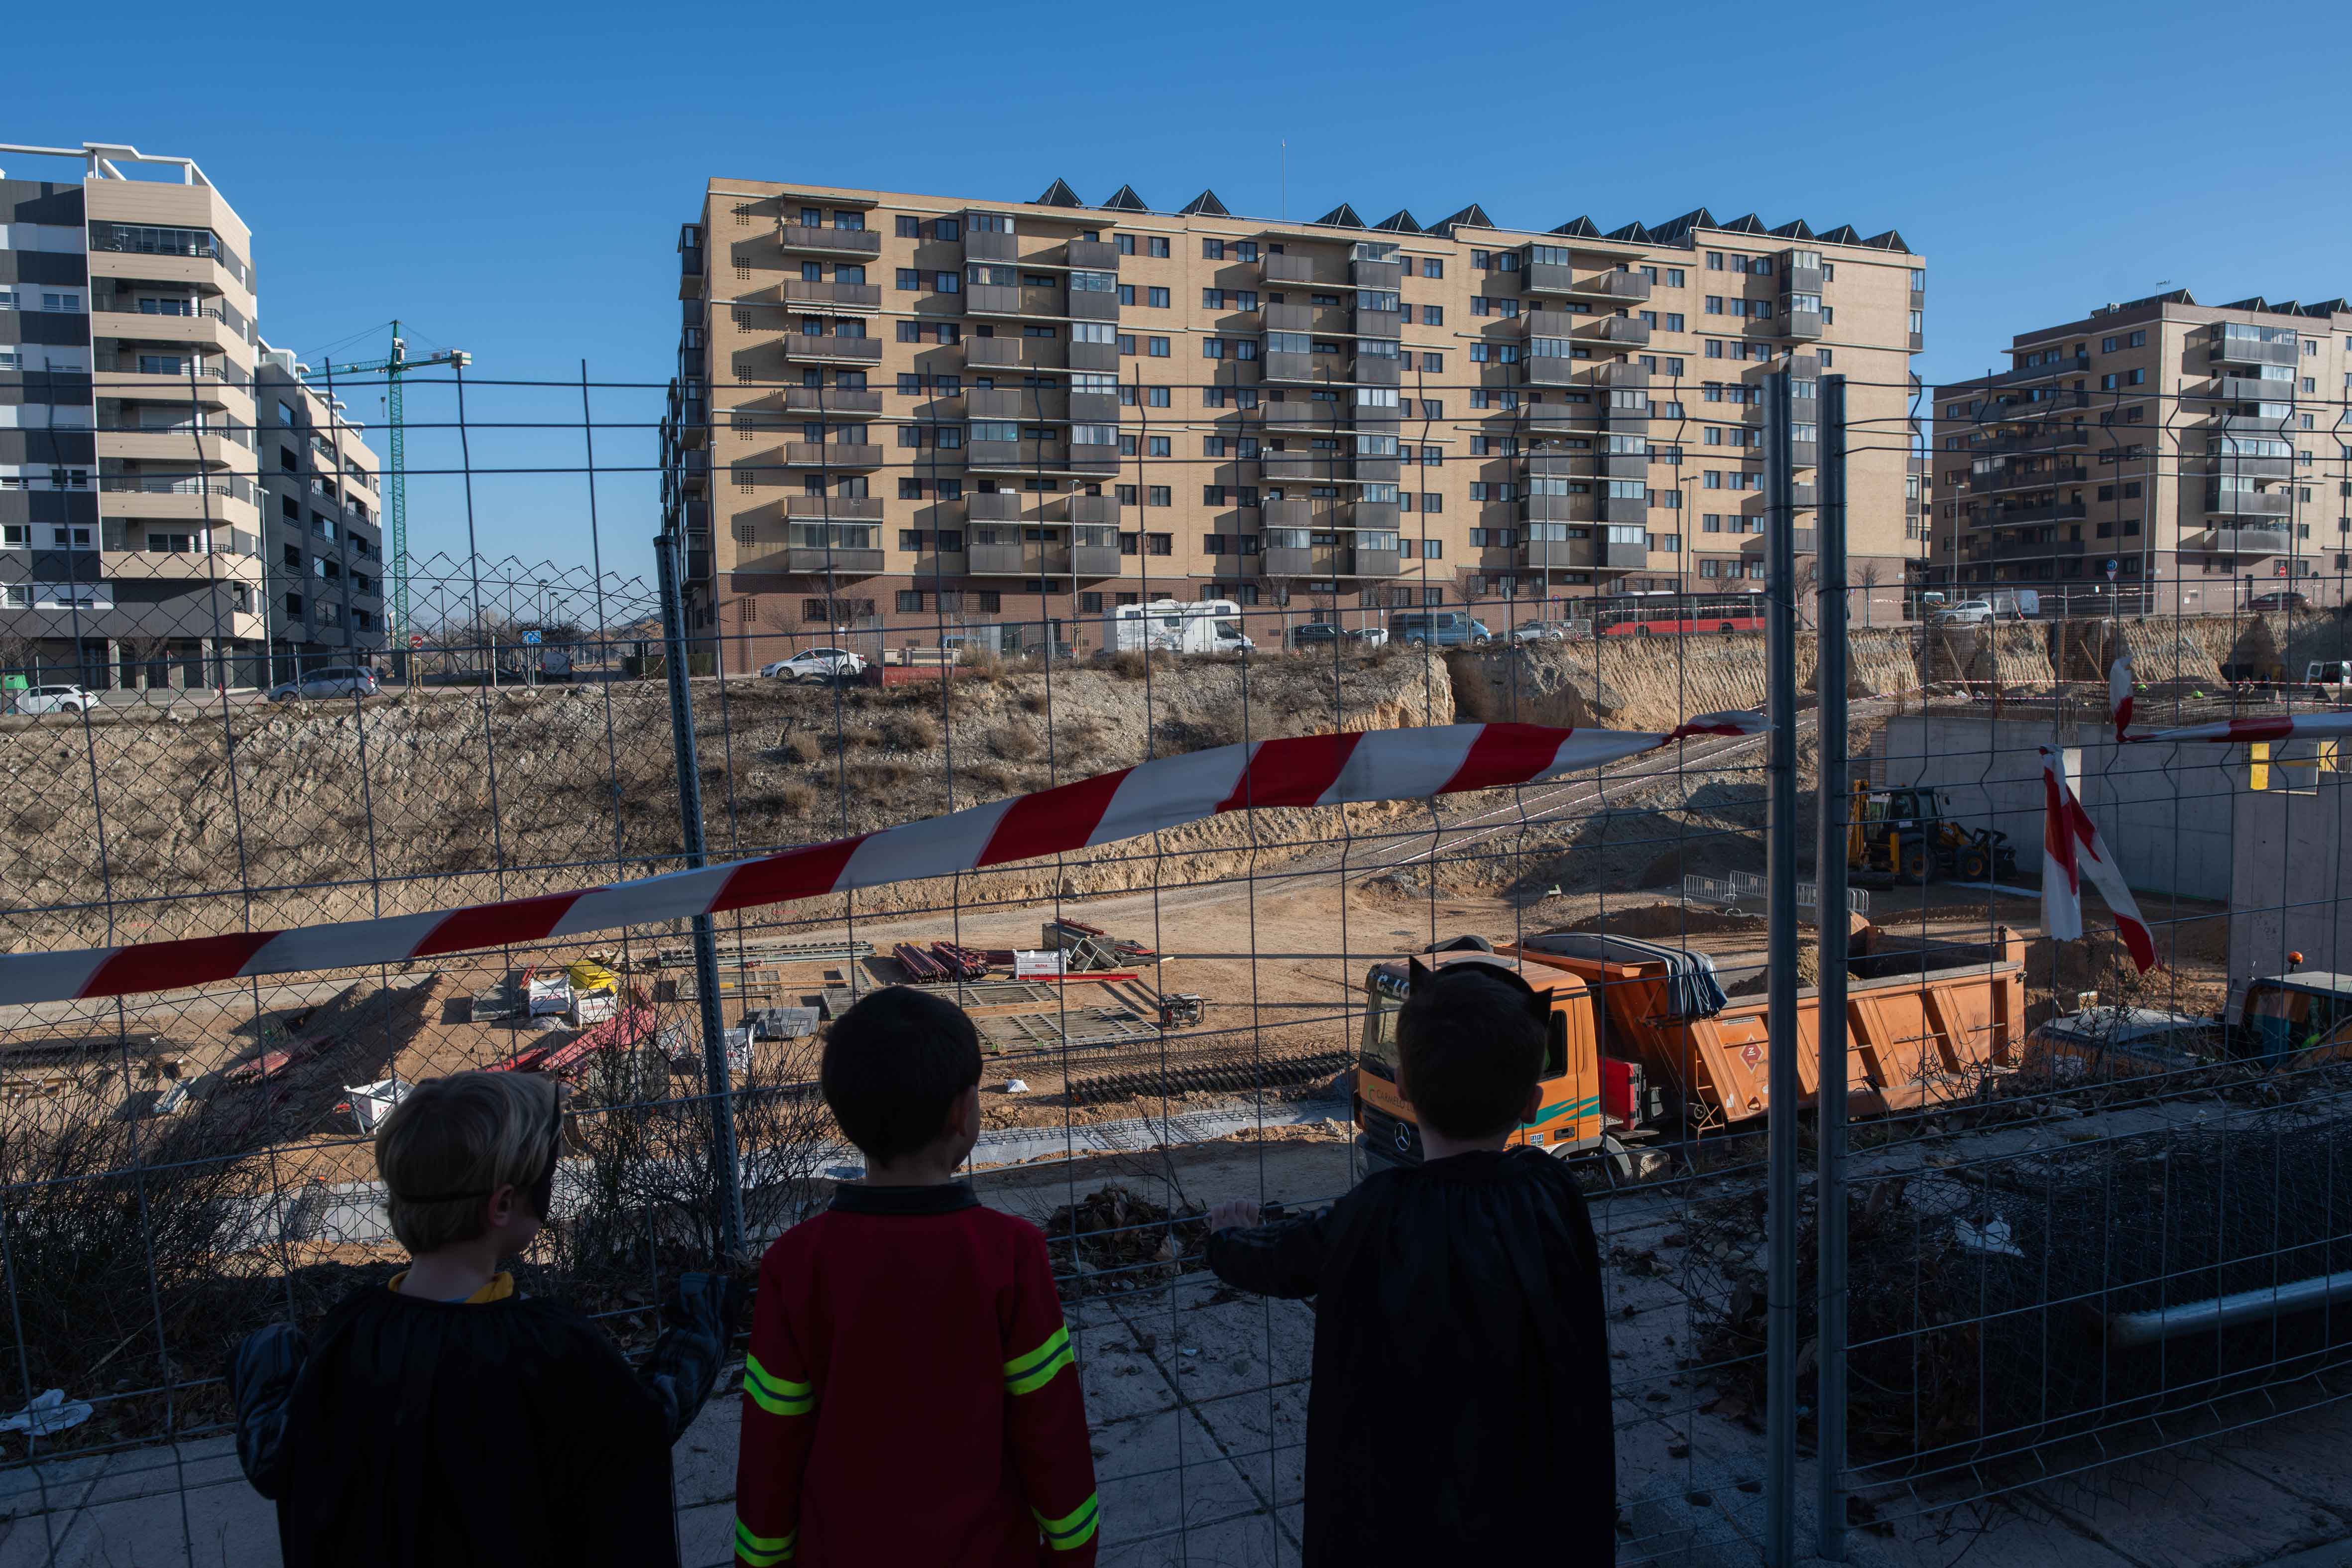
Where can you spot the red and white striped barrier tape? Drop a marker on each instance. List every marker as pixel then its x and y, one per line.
pixel 2259 727
pixel 1304 770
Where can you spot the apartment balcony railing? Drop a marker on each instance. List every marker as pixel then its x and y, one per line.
pixel 832 295
pixel 831 400
pixel 831 455
pixel 1804 326
pixel 2250 468
pixel 801 236
pixel 2048 512
pixel 1551 277
pixel 2253 350
pixel 1092 255
pixel 1328 560
pixel 2256 541
pixel 2248 503
pixel 1286 268
pixel 802 558
pixel 802 348
pixel 1307 415
pixel 836 508
pixel 2047 371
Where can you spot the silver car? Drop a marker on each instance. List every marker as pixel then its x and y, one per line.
pixel 330 681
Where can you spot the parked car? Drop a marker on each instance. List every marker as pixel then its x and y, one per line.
pixel 2329 680
pixel 329 680
pixel 1967 613
pixel 1439 628
pixel 817 664
pixel 53 699
pixel 2279 599
pixel 1540 631
pixel 1318 636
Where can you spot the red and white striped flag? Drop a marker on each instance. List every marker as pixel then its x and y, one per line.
pixel 2070 851
pixel 1293 771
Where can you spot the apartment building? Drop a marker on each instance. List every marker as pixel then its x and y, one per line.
pixel 2194 447
pixel 927 415
pixel 323 529
pixel 132 529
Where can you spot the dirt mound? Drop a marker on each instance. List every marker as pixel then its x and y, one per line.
pixel 1808 973
pixel 1651 921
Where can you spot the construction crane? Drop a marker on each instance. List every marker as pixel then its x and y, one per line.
pixel 395 477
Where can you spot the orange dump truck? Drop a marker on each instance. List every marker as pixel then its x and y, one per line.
pixel 1643 1036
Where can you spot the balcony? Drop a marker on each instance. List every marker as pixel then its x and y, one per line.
pixel 1376 516
pixel 1295 369
pixel 1093 457
pixel 832 295
pixel 1092 255
pixel 210 326
pixel 2250 468
pixel 1621 330
pixel 1582 555
pixel 2046 371
pixel 2016 410
pixel 689 268
pixel 1034 560
pixel 2247 425
pixel 1380 323
pixel 214 446
pixel 1276 467
pixel 1087 511
pixel 1543 417
pixel 1092 305
pixel 1025 353
pixel 1095 560
pixel 1551 278
pixel 238 563
pixel 1796 279
pixel 837 509
pixel 1329 560
pixel 994 506
pixel 2003 477
pixel 2252 541
pixel 1049 405
pixel 832 400
pixel 694 469
pixel 2042 438
pixel 1310 415
pixel 802 558
pixel 1017 301
pixel 2029 549
pixel 1376 274
pixel 831 455
pixel 809 241
pixel 988 245
pixel 801 348
pixel 2228 350
pixel 1278 269
pixel 1559 508
pixel 2248 503
pixel 2048 512
pixel 2247 389
pixel 1804 326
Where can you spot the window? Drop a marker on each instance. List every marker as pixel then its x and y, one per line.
pixel 1212 250
pixel 1158 246
pixel 1438 362
pixel 1126 293
pixel 1157 495
pixel 1431 501
pixel 1124 244
pixel 1160 545
pixel 1714 261
pixel 1432 549
pixel 1126 344
pixel 1158 347
pixel 1154 298
pixel 1714 304
pixel 1155 398
pixel 1161 446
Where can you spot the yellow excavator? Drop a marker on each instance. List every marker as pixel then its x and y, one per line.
pixel 1904 836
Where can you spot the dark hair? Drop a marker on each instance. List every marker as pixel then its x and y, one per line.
pixel 1470 1038
pixel 894 1065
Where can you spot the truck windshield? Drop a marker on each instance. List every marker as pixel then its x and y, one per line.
pixel 1227 629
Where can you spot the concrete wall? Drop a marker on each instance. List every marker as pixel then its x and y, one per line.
pixel 2292 876
pixel 2163 810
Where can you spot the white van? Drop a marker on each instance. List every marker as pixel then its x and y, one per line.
pixel 1172 625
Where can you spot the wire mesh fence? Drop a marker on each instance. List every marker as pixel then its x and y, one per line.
pixel 2089 1212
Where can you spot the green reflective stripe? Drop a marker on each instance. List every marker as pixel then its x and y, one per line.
pixel 1073 1528
pixel 762 1551
pixel 776 1395
pixel 1022 1367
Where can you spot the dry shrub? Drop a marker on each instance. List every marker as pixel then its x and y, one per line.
pixel 796 749
pixel 794 797
pixel 985 780
pixel 1080 735
pixel 1134 664
pixel 871 777
pixel 841 738
pixel 1032 701
pixel 1197 733
pixel 910 731
pixel 1016 742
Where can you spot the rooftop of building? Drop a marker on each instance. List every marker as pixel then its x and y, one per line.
pixel 1676 233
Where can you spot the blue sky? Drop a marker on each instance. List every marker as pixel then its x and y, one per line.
pixel 510 179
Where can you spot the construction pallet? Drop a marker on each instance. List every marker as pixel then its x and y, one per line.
pixel 736 986
pixel 1079 1026
pixel 750 954
pixel 1288 1073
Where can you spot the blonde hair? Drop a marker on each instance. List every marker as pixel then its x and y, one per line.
pixel 452 1142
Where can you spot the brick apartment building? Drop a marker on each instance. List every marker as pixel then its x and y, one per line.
pixel 2196 447
pixel 931 417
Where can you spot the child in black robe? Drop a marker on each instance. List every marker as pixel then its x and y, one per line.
pixel 449 1420
pixel 1459 1410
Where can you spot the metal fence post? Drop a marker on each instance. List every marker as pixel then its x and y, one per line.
pixel 1829 872
pixel 1780 966
pixel 716 1084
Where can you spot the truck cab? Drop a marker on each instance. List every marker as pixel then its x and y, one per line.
pixel 2304 1013
pixel 1585 1095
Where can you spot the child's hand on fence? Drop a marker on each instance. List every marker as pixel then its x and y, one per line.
pixel 1234 1212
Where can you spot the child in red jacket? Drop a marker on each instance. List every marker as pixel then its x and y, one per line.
pixel 910 1397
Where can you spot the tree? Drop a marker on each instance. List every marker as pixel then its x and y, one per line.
pixel 1870 575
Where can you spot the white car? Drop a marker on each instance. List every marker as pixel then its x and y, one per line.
pixel 54 699
pixel 817 664
pixel 1967 613
pixel 330 681
pixel 1538 631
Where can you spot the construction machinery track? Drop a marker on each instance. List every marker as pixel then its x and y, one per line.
pixel 1284 1073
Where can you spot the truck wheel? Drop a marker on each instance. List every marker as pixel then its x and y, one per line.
pixel 1915 862
pixel 1975 867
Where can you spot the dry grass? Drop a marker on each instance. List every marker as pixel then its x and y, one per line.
pixel 1016 742
pixel 910 729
